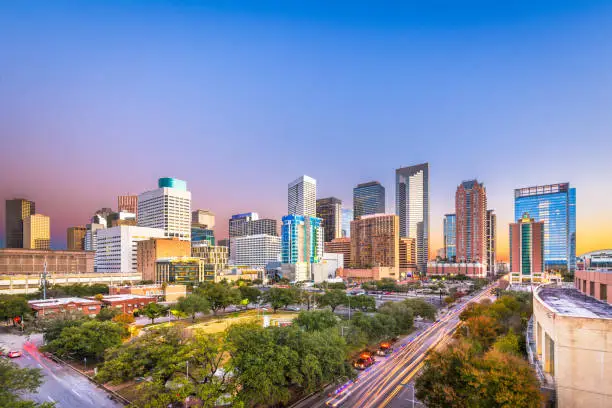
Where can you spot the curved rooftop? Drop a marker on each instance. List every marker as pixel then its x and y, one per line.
pixel 571 302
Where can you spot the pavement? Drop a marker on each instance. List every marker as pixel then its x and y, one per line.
pixel 61 384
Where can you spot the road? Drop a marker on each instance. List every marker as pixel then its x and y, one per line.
pixel 388 382
pixel 61 385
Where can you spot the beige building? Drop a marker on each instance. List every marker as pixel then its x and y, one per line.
pixel 127 203
pixel 570 344
pixel 17 284
pixel 215 257
pixel 180 270
pixel 203 218
pixel 235 273
pixel 14 261
pixel 149 251
pixel 75 238
pixel 167 293
pixel 375 241
pixel 37 232
pixel 407 255
pixel 340 246
pixel 367 274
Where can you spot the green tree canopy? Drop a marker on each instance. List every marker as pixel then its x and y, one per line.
pixel 421 308
pixel 153 311
pixel 333 298
pixel 15 381
pixel 316 320
pixel 107 313
pixel 251 293
pixel 89 340
pixel 13 306
pixel 220 296
pixel 401 313
pixel 192 304
pixel 281 297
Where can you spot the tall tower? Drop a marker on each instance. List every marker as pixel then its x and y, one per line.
pixel 168 208
pixel 412 206
pixel 330 210
pixel 302 197
pixel 16 211
pixel 527 246
pixel 450 237
pixel 37 232
pixel 471 212
pixel 368 199
pixel 127 203
pixel 491 233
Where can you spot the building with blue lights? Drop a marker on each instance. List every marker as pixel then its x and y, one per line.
pixel 450 237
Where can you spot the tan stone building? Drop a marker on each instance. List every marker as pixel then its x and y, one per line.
pixel 340 246
pixel 214 257
pixel 375 241
pixel 149 251
pixel 14 261
pixel 37 232
pixel 75 238
pixel 167 293
pixel 407 255
pixel 570 344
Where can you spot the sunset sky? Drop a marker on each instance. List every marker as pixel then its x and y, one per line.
pixel 99 99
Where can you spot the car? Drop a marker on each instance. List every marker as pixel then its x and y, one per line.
pixel 13 354
pixel 293 308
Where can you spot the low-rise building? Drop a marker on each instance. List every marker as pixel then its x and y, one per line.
pixel 595 283
pixel 367 274
pixel 340 246
pixel 127 303
pixel 236 273
pixel 166 293
pixel 53 307
pixel 326 269
pixel 18 261
pixel 473 270
pixel 181 270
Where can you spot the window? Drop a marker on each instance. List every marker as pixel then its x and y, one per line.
pixel 603 292
pixel 592 288
pixel 91 308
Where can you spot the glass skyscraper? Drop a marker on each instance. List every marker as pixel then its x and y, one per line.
pixel 368 198
pixel 301 239
pixel 450 237
pixel 347 217
pixel 555 205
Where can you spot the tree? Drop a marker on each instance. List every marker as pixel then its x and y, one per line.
pixel 192 304
pixel 124 318
pixel 280 297
pixel 53 327
pixel 401 313
pixel 333 298
pixel 12 306
pixel 421 308
pixel 153 311
pixel 89 340
pixel 316 320
pixel 310 299
pixel 364 303
pixel 251 293
pixel 482 329
pixel 15 381
pixel 107 313
pixel 508 343
pixel 220 296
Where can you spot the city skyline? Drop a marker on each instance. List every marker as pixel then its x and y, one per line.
pixel 111 111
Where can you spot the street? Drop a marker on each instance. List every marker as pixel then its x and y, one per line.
pixel 61 385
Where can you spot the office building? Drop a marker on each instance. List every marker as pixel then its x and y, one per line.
pixel 223 242
pixel 240 272
pixel 150 250
pixel 330 211
pixel 180 270
pixel 19 261
pixel 117 247
pixel 471 269
pixel 471 213
pixel 250 224
pixel 167 208
pixel 128 204
pixel 527 238
pixel 302 239
pixel 37 232
pixel 203 218
pixel 347 217
pixel 596 283
pixel 327 268
pixel 256 251
pixel 121 218
pixel 407 256
pixel 75 238
pixel 91 236
pixel 202 234
pixel 62 306
pixel 412 207
pixel 302 197
pixel 375 242
pixel 340 246
pixel 491 237
pixel 30 283
pixel 600 259
pixel 555 205
pixel 215 258
pixel 368 198
pixel 450 237
pixel 17 210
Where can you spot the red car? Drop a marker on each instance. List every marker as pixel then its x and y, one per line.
pixel 13 354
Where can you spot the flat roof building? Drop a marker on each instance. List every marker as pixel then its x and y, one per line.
pixel 375 242
pixel 117 247
pixel 37 232
pixel 14 261
pixel 148 251
pixel 75 238
pixel 17 210
pixel 167 208
pixel 340 246
pixel 53 307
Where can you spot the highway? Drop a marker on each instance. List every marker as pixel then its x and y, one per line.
pixel 61 385
pixel 385 384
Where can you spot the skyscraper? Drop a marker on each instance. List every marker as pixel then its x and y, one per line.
pixel 256 250
pixel 203 218
pixel 368 198
pixel 375 241
pixel 168 208
pixel 330 210
pixel 450 237
pixel 302 239
pixel 555 205
pixel 37 232
pixel 127 203
pixel 16 211
pixel 302 197
pixel 75 238
pixel 527 238
pixel 347 217
pixel 117 247
pixel 412 207
pixel 471 213
pixel 491 233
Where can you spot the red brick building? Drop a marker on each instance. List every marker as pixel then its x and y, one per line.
pixel 526 250
pixel 471 212
pixel 127 303
pixel 53 307
pixel 595 284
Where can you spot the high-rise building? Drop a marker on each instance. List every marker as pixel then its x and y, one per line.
pixel 117 247
pixel 215 258
pixel 250 224
pixel 91 236
pixel 407 255
pixel 202 234
pixel 471 212
pixel 167 208
pixel 203 218
pixel 180 270
pixel 491 233
pixel 256 250
pixel 347 217
pixel 127 203
pixel 527 239
pixel 302 197
pixel 17 210
pixel 375 242
pixel 121 218
pixel 555 205
pixel 148 251
pixel 340 246
pixel 368 198
pixel 37 232
pixel 330 211
pixel 450 237
pixel 412 207
pixel 302 239
pixel 75 238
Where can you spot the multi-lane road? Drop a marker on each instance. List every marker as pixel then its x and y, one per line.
pixel 388 382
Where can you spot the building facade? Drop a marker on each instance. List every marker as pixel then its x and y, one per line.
pixel 256 251
pixel 302 197
pixel 595 283
pixel 37 232
pixel 527 250
pixel 340 246
pixel 412 207
pixel 202 234
pixel 491 236
pixel 330 211
pixel 75 238
pixel 407 256
pixel 375 242
pixel 148 251
pixel 167 208
pixel 19 261
pixel 17 210
pixel 215 258
pixel 471 213
pixel 301 239
pixel 450 237
pixel 555 205
pixel 55 307
pixel 250 224
pixel 127 203
pixel 203 218
pixel 368 199
pixel 117 247
pixel 600 259
pixel 182 270
pixel 347 217
pixel 473 270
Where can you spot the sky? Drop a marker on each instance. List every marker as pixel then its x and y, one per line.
pixel 239 98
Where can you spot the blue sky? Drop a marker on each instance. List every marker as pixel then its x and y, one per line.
pixel 239 98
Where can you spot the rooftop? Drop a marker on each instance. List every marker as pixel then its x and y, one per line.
pixel 61 301
pixel 570 302
pixel 115 298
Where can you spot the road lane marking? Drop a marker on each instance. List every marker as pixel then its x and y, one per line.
pixel 51 399
pixel 77 393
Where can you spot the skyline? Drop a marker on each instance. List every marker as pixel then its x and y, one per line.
pixel 235 98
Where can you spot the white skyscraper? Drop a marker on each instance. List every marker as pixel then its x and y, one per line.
pixel 117 248
pixel 167 208
pixel 256 250
pixel 302 197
